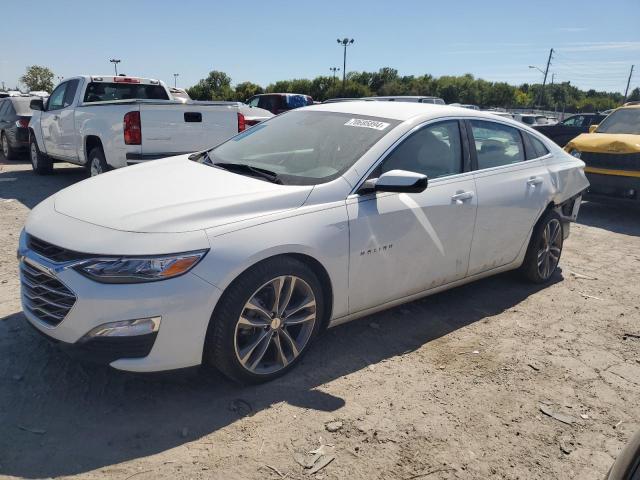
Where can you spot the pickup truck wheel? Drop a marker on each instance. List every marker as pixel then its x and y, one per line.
pixel 42 165
pixel 545 247
pixel 8 152
pixel 97 164
pixel 265 321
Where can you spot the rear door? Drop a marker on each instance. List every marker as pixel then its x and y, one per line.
pixel 512 189
pixel 176 128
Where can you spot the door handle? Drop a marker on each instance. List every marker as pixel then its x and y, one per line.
pixel 533 181
pixel 460 197
pixel 56 117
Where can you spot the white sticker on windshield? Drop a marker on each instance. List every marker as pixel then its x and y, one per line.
pixel 357 122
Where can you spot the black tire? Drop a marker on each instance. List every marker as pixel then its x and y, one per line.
pixel 627 464
pixel 531 269
pixel 96 162
pixel 5 147
pixel 41 164
pixel 220 350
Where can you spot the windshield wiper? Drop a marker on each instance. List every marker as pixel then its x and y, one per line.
pixel 248 169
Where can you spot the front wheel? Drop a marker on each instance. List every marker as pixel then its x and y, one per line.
pixel 265 321
pixel 41 164
pixel 545 248
pixel 8 152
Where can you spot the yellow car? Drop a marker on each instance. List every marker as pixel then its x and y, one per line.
pixel 611 152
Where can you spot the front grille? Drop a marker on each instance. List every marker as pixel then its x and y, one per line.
pixel 615 161
pixel 53 252
pixel 44 296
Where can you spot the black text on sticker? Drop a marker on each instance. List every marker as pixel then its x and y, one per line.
pixel 357 122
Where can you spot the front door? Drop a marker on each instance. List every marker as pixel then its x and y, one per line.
pixel 401 244
pixel 49 122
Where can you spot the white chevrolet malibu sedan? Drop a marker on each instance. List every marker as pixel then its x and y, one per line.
pixel 239 256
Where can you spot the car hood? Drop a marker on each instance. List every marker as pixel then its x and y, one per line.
pixel 605 143
pixel 174 195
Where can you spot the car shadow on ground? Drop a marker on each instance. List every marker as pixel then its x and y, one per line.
pixel 618 217
pixel 59 417
pixel 30 189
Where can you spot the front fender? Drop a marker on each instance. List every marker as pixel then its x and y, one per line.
pixel 35 130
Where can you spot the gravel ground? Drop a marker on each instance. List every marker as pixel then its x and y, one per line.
pixel 452 386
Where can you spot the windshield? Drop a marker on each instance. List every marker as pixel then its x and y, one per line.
pixel 305 147
pixel 625 120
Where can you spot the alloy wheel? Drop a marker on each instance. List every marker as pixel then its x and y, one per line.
pixel 34 155
pixel 96 168
pixel 275 325
pixel 550 248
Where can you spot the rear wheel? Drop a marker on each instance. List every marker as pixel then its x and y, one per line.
pixel 97 164
pixel 545 248
pixel 8 152
pixel 265 321
pixel 42 165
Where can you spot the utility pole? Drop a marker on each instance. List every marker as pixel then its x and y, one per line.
pixel 3 85
pixel 345 42
pixel 334 70
pixel 544 82
pixel 175 80
pixel 626 91
pixel 115 62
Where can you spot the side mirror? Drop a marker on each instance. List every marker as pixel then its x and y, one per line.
pixel 592 128
pixel 400 181
pixel 36 104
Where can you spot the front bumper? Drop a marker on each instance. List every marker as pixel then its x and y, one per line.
pixel 611 185
pixel 184 303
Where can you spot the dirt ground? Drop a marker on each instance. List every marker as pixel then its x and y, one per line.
pixel 449 387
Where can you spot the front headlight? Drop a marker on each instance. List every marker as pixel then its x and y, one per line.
pixel 140 269
pixel 575 153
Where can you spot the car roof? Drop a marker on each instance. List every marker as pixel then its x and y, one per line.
pixel 397 110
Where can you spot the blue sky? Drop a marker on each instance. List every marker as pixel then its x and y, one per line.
pixel 596 42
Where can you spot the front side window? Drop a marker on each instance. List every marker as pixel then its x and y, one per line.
pixel 70 93
pixel 496 144
pixel 434 151
pixel 571 121
pixel 56 100
pixel 625 120
pixel 253 102
pixel 304 147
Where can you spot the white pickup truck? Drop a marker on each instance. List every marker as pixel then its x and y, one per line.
pixel 105 122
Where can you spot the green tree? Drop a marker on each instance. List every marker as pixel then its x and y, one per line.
pixel 634 96
pixel 38 78
pixel 246 90
pixel 217 86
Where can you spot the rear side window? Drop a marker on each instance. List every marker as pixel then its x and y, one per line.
pixel 297 101
pixel 496 144
pixel 104 92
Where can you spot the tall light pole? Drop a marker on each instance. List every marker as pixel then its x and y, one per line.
pixel 115 62
pixel 345 42
pixel 175 80
pixel 334 70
